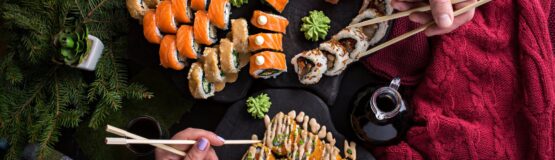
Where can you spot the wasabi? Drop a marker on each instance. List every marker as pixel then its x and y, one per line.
pixel 315 26
pixel 258 106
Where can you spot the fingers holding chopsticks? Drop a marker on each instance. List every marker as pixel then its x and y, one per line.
pixel 200 150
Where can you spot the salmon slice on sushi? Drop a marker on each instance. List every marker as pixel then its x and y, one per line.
pixel 267 64
pixel 150 29
pixel 169 56
pixel 337 57
pixel 278 5
pixel 182 11
pixel 199 86
pixel 165 18
pixel 204 31
pixel 353 40
pixel 199 5
pixel 186 44
pixel 310 66
pixel 270 22
pixel 266 41
pixel 212 65
pixel 229 58
pixel 239 36
pixel 218 13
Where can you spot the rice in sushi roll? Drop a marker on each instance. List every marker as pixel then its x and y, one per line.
pixel 165 18
pixel 199 5
pixel 182 11
pixel 150 29
pixel 219 12
pixel 239 36
pixel 199 86
pixel 337 57
pixel 354 40
pixel 229 58
pixel 136 8
pixel 376 32
pixel 169 57
pixel 212 65
pixel 186 44
pixel 204 31
pixel 310 66
pixel 267 64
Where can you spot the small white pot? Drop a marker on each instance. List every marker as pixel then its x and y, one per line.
pixel 93 55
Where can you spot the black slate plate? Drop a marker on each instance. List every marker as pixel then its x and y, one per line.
pixel 238 124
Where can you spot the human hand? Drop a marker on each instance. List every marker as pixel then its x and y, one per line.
pixel 441 13
pixel 202 150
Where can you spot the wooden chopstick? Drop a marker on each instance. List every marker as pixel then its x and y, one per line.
pixel 396 15
pixel 421 28
pixel 123 141
pixel 123 133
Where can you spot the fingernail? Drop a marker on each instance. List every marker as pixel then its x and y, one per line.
pixel 221 139
pixel 445 20
pixel 202 144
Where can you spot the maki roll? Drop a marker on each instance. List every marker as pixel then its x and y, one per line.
pixel 265 41
pixel 199 5
pixel 186 44
pixel 150 29
pixel 229 58
pixel 165 18
pixel 353 40
pixel 169 57
pixel 182 11
pixel 267 64
pixel 310 66
pixel 152 3
pixel 239 37
pixel 337 57
pixel 376 32
pixel 136 8
pixel 204 31
pixel 278 5
pixel 280 134
pixel 258 152
pixel 212 65
pixel 199 87
pixel 268 21
pixel 219 12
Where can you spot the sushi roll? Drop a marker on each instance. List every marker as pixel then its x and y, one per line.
pixel 152 4
pixel 218 13
pixel 258 152
pixel 278 5
pixel 337 57
pixel 354 40
pixel 229 58
pixel 182 11
pixel 165 18
pixel 136 8
pixel 267 64
pixel 310 66
pixel 268 21
pixel 199 5
pixel 219 86
pixel 186 44
pixel 199 87
pixel 204 31
pixel 265 41
pixel 280 134
pixel 150 29
pixel 212 65
pixel 239 37
pixel 376 32
pixel 169 57
pixel 231 77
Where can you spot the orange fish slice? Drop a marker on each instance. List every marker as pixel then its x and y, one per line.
pixel 202 29
pixel 182 11
pixel 265 41
pixel 164 17
pixel 168 53
pixel 218 12
pixel 199 5
pixel 278 5
pixel 269 21
pixel 150 30
pixel 185 42
pixel 267 60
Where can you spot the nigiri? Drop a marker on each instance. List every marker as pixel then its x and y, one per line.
pixel 267 64
pixel 186 44
pixel 265 41
pixel 165 18
pixel 169 57
pixel 150 30
pixel 182 11
pixel 269 21
pixel 218 13
pixel 204 31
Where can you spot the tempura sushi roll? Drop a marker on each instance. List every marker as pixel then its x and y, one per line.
pixel 204 31
pixel 267 64
pixel 239 36
pixel 182 11
pixel 219 86
pixel 152 3
pixel 280 134
pixel 310 66
pixel 337 57
pixel 258 152
pixel 308 146
pixel 266 41
pixel 278 5
pixel 212 65
pixel 165 18
pixel 199 87
pixel 354 41
pixel 150 29
pixel 186 44
pixel 136 8
pixel 229 58
pixel 219 12
pixel 269 21
pixel 199 5
pixel 376 32
pixel 231 77
pixel 169 57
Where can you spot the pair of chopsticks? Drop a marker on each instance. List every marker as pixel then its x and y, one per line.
pixel 415 31
pixel 162 144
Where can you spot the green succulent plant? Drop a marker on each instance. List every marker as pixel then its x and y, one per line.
pixel 258 106
pixel 315 26
pixel 72 41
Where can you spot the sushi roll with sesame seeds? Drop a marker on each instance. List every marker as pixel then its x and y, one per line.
pixel 337 57
pixel 310 66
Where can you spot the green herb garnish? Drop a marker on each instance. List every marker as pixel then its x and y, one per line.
pixel 315 26
pixel 238 3
pixel 258 106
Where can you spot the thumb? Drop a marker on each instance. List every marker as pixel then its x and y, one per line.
pixel 199 151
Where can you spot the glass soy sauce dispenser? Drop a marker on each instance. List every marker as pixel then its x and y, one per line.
pixel 380 116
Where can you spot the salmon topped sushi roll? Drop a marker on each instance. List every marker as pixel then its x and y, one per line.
pixel 186 44
pixel 267 64
pixel 270 22
pixel 278 5
pixel 199 86
pixel 265 41
pixel 150 29
pixel 169 57
pixel 165 18
pixel 182 11
pixel 204 31
pixel 219 12
pixel 199 5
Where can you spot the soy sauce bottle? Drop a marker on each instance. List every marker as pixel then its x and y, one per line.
pixel 380 116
